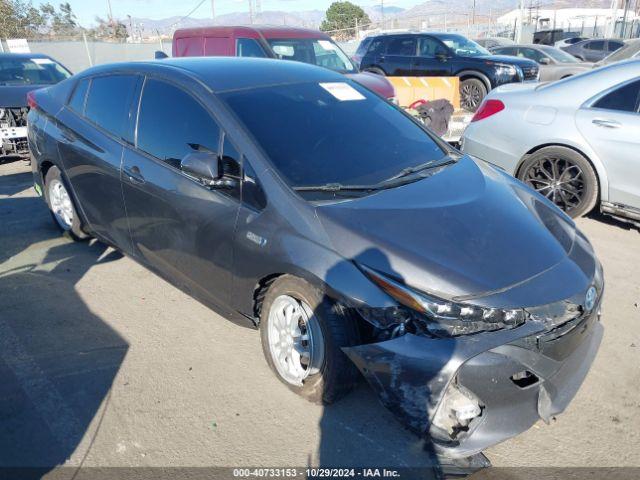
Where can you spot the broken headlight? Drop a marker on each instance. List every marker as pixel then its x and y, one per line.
pixel 438 317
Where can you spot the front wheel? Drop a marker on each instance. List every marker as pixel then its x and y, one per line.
pixel 472 92
pixel 563 176
pixel 61 205
pixel 302 333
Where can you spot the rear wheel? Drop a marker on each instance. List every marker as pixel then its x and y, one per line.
pixel 563 176
pixel 472 92
pixel 302 333
pixel 61 205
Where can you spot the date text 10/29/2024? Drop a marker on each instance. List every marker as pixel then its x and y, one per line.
pixel 316 472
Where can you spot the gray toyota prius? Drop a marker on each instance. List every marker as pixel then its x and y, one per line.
pixel 291 199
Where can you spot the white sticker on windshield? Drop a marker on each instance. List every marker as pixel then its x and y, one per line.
pixel 342 91
pixel 327 45
pixel 42 61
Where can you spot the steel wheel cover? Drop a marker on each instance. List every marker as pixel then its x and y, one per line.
pixel 295 340
pixel 61 205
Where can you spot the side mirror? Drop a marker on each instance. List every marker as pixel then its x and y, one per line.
pixel 159 55
pixel 205 167
pixel 544 61
pixel 442 56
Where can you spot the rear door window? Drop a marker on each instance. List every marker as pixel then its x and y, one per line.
pixel 109 101
pixel 216 46
pixel 595 45
pixel 189 47
pixel 172 123
pixel 377 47
pixel 612 46
pixel 404 46
pixel 249 47
pixel 76 102
pixel 622 99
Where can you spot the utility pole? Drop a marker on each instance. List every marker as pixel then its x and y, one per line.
pixel 251 11
pixel 624 18
pixel 382 12
pixel 213 8
pixel 473 14
pixel 520 23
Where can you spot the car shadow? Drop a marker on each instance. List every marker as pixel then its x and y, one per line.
pixel 58 359
pixel 612 221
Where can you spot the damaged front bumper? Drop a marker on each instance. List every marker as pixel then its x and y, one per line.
pixel 516 376
pixel 13 142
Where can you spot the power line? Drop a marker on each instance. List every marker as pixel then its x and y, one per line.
pixel 188 14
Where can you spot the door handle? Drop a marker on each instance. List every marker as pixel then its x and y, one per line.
pixel 134 174
pixel 381 59
pixel 606 123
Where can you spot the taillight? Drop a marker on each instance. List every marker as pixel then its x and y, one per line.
pixel 488 108
pixel 31 100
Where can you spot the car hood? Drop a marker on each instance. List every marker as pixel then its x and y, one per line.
pixel 13 96
pixel 467 230
pixel 374 82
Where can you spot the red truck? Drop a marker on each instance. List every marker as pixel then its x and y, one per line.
pixel 285 43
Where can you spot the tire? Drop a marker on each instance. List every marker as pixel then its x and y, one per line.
pixel 330 374
pixel 65 215
pixel 377 71
pixel 472 92
pixel 572 184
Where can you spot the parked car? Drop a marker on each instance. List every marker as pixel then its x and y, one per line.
pixel 568 41
pixel 284 43
pixel 554 63
pixel 575 141
pixel 593 50
pixel 20 74
pixel 283 198
pixel 440 55
pixel 494 42
pixel 551 37
pixel 631 49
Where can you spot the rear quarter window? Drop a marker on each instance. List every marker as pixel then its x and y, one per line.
pixel 76 102
pixel 109 101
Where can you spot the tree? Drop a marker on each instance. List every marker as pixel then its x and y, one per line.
pixel 109 29
pixel 19 18
pixel 343 16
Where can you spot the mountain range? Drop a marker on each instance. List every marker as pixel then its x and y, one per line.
pixel 313 18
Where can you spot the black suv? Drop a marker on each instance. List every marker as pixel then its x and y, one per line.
pixel 440 55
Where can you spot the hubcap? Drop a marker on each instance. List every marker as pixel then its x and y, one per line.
pixel 295 339
pixel 558 179
pixel 471 96
pixel 61 204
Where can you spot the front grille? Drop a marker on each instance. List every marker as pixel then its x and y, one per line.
pixel 13 117
pixel 530 73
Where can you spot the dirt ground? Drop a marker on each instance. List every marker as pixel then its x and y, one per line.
pixel 102 363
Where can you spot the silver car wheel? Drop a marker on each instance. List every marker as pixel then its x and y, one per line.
pixel 558 179
pixel 295 339
pixel 471 97
pixel 61 205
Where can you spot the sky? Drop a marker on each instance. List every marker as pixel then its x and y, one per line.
pixel 86 10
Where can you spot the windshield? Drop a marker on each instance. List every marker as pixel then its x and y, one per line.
pixel 462 46
pixel 323 53
pixel 332 133
pixel 559 55
pixel 629 49
pixel 31 71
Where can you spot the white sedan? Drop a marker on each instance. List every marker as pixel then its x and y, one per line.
pixel 575 141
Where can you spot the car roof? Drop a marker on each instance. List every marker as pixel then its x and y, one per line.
pixel 25 56
pixel 267 31
pixel 228 73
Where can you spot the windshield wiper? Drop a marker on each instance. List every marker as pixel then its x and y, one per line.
pixel 405 172
pixel 336 187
